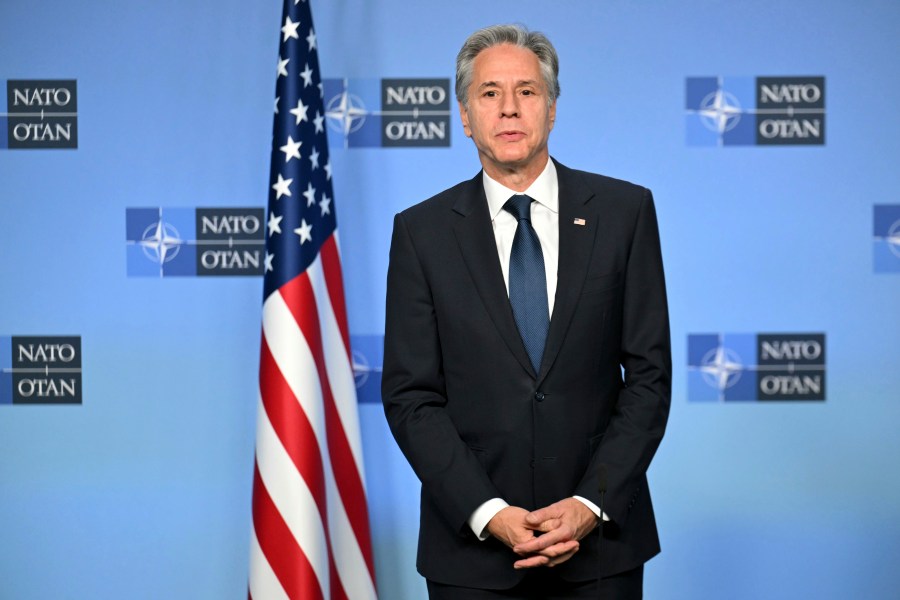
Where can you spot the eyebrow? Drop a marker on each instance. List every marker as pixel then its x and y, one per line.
pixel 524 82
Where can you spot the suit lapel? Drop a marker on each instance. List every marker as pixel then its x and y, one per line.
pixel 479 250
pixel 576 242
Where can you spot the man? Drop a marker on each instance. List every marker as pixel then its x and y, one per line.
pixel 515 302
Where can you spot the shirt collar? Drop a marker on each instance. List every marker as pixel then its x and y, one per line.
pixel 544 189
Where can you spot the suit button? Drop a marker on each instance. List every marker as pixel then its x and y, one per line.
pixel 539 396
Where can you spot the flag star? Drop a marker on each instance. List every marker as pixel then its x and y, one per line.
pixel 314 158
pixel 319 122
pixel 325 205
pixel 300 112
pixel 274 224
pixel 327 168
pixel 304 231
pixel 310 194
pixel 282 187
pixel 282 66
pixel 290 29
pixel 311 39
pixel 269 258
pixel 291 149
pixel 321 90
pixel 306 74
pixel 276 104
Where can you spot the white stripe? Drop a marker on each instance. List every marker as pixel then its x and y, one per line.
pixel 349 560
pixel 351 564
pixel 292 498
pixel 338 367
pixel 294 359
pixel 337 243
pixel 264 585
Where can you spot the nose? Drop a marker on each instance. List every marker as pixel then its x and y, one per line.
pixel 509 106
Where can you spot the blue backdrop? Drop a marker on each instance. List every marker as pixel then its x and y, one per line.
pixel 143 490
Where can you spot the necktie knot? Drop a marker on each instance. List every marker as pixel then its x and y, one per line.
pixel 519 206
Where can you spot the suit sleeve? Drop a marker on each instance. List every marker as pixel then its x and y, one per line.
pixel 414 392
pixel 638 421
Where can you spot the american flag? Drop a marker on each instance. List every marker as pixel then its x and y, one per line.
pixel 310 523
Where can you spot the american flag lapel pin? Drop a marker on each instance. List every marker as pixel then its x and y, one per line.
pixel 580 222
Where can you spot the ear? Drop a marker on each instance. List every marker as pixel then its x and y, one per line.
pixel 464 117
pixel 552 114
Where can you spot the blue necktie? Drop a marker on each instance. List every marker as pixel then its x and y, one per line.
pixel 528 281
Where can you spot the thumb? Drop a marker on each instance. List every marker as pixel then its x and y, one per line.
pixel 537 517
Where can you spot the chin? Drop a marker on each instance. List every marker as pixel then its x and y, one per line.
pixel 512 160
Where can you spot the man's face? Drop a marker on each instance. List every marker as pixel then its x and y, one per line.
pixel 508 118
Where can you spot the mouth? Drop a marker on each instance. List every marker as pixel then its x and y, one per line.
pixel 511 136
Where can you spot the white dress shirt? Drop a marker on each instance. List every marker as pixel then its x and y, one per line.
pixel 545 221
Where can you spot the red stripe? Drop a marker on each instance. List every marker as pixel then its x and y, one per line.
pixel 301 301
pixel 287 560
pixel 296 434
pixel 292 427
pixel 337 588
pixel 334 280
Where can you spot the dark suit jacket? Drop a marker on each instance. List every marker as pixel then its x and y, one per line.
pixel 471 415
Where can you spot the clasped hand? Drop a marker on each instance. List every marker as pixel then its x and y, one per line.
pixel 561 525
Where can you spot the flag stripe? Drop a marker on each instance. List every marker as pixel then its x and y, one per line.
pixel 296 505
pixel 263 582
pixel 290 565
pixel 299 293
pixel 296 435
pixel 331 263
pixel 352 565
pixel 295 362
pixel 337 361
pixel 290 349
pixel 293 500
pixel 292 427
pixel 343 384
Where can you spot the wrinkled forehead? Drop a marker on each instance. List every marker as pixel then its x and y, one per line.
pixel 506 64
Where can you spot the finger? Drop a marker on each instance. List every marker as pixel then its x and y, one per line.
pixel 544 526
pixel 518 540
pixel 561 558
pixel 540 543
pixel 531 562
pixel 563 533
pixel 541 514
pixel 558 550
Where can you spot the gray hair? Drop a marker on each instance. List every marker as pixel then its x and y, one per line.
pixel 516 35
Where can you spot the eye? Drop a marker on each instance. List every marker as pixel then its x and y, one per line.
pixel 490 94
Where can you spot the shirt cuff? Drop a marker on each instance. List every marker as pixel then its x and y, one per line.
pixel 593 507
pixel 482 515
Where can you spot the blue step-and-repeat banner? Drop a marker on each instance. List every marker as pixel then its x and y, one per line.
pixel 134 161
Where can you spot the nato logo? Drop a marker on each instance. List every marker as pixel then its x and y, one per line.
pixel 40 370
pixel 388 113
pixel 886 240
pixel 187 242
pixel 368 357
pixel 761 111
pixel 745 367
pixel 41 113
